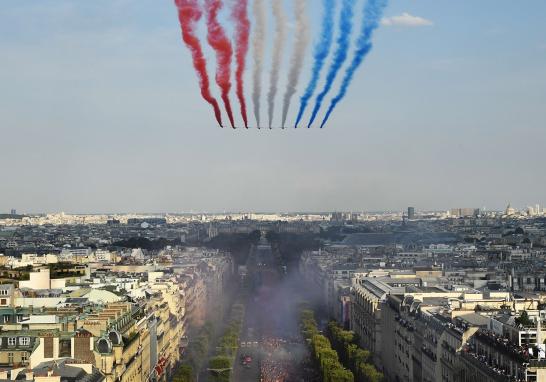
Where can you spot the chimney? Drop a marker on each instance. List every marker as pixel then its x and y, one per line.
pixel 29 375
pixel 4 374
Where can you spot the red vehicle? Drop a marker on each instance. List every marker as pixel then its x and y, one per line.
pixel 246 360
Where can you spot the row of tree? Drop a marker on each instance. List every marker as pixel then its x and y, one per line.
pixel 221 364
pixel 351 355
pixel 197 353
pixel 291 245
pixel 184 374
pixel 145 243
pixel 326 358
pixel 238 244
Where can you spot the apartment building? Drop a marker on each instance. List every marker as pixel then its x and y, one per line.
pixel 437 336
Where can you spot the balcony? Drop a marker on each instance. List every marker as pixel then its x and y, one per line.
pixel 503 345
pixel 496 372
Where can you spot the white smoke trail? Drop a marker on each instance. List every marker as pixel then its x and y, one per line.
pixel 300 46
pixel 258 47
pixel 280 20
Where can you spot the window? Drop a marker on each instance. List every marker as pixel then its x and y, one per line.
pixel 24 341
pixel 65 348
pixel 6 318
pixel 12 341
pixel 3 301
pixel 10 358
pixel 24 357
pixel 48 347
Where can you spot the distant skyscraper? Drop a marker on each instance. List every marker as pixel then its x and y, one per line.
pixel 354 217
pixel 411 213
pixel 13 211
pixel 336 217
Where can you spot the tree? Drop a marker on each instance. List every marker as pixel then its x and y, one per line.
pixel 370 373
pixel 272 236
pixel 184 374
pixel 144 243
pixel 340 340
pixel 326 358
pixel 361 356
pixel 237 244
pixel 342 375
pixel 290 246
pixel 220 368
pixel 255 236
pixel 524 319
pixel 352 357
pixel 199 348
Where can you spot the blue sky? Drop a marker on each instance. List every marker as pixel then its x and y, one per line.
pixel 100 111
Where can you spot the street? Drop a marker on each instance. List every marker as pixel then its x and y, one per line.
pixel 270 331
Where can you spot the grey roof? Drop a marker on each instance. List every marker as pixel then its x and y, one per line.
pixel 475 319
pixel 68 372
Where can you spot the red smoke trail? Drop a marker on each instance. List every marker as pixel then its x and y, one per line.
pixel 189 14
pixel 240 15
pixel 220 43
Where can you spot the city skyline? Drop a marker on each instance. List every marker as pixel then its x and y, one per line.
pixel 523 208
pixel 174 298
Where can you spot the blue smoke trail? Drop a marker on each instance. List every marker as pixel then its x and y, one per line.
pixel 372 15
pixel 322 49
pixel 345 30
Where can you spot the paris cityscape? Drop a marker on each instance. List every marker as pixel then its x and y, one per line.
pixel 410 295
pixel 272 191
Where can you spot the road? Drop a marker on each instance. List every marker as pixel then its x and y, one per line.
pixel 270 330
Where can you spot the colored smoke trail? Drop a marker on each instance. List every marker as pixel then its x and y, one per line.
pixel 300 46
pixel 258 48
pixel 346 27
pixel 240 15
pixel 322 49
pixel 280 20
pixel 189 14
pixel 222 46
pixel 372 15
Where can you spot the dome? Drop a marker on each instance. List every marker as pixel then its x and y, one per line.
pixel 115 337
pixel 104 346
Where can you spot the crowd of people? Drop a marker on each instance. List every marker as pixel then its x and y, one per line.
pixel 273 370
pixel 521 353
pixel 276 361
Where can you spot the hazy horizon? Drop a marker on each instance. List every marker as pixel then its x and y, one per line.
pixel 254 212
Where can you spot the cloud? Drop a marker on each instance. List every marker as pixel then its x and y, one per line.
pixel 406 20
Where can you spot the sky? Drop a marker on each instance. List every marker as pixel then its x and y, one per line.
pixel 100 112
